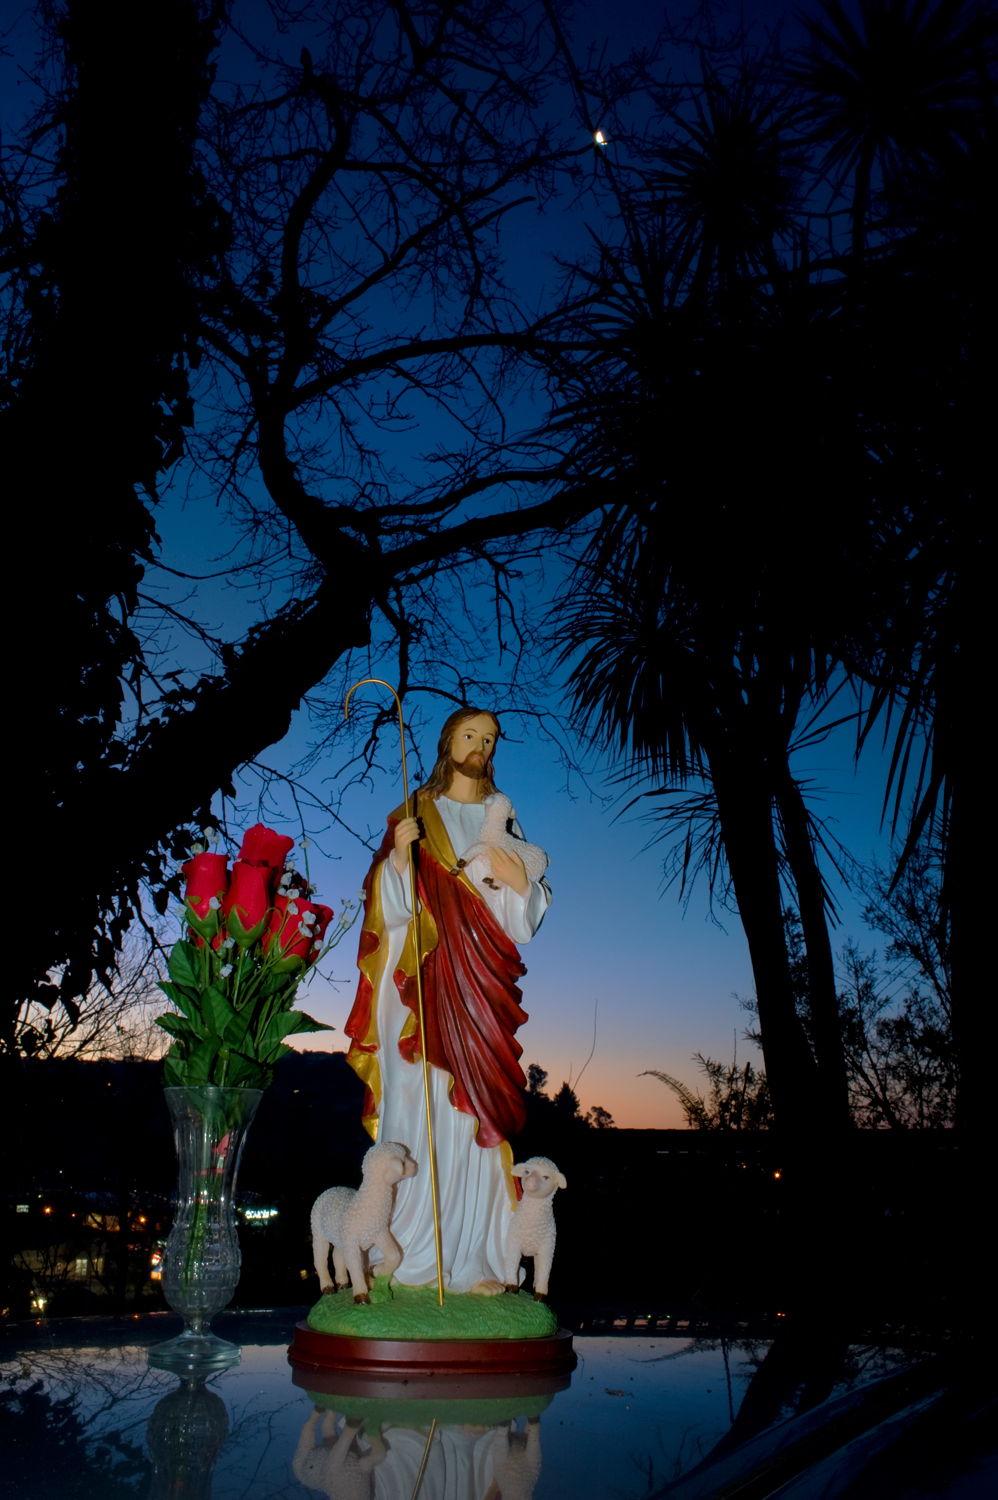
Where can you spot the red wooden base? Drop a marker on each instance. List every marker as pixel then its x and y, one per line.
pixel 395 1360
pixel 429 1387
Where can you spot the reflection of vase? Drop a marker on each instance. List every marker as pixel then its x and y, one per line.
pixel 185 1435
pixel 201 1263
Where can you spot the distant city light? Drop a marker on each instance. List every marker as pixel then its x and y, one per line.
pixel 21 1208
pixel 599 138
pixel 260 1215
pixel 46 1209
pixel 156 1266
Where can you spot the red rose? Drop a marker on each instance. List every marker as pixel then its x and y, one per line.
pixel 262 846
pixel 245 907
pixel 297 937
pixel 206 876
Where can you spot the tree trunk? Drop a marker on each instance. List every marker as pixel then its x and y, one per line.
pixel 826 1032
pixel 745 811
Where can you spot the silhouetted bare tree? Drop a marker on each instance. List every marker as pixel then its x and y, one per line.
pixel 269 265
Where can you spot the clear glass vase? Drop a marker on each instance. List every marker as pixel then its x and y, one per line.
pixel 202 1261
pixel 185 1434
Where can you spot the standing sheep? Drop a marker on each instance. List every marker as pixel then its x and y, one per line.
pixel 352 1221
pixel 531 1230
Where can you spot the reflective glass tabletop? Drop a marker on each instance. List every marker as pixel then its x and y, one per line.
pixel 84 1414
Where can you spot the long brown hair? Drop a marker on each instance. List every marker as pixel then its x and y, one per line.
pixel 440 777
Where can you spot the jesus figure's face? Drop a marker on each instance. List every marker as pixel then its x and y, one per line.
pixel 472 744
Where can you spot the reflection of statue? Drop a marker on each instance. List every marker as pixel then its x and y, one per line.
pixel 465 1460
pixel 186 1433
pixel 338 1467
pixel 468 935
pixel 517 1460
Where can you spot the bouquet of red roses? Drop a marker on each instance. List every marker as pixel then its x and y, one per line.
pixel 253 932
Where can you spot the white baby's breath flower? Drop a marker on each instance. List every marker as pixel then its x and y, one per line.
pixel 197 848
pixel 209 835
pixel 311 917
pixel 225 970
pixel 294 893
pixel 229 942
pixel 305 844
pixel 292 909
pixel 316 944
pixel 214 904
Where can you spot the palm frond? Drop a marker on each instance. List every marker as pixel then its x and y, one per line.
pixel 692 1103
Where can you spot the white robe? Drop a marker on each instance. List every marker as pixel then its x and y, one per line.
pixel 475 1207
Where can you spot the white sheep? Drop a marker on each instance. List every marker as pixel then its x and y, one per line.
pixel 351 1221
pixel 531 1229
pixel 494 835
pixel 338 1468
pixel 517 1460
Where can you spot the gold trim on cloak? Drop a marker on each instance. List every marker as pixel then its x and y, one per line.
pixel 437 844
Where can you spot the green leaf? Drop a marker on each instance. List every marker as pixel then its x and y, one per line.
pixel 178 1026
pixel 275 983
pixel 306 1023
pixel 237 1028
pixel 201 1060
pixel 289 965
pixel 246 1073
pixel 183 965
pixel 285 1023
pixel 217 1010
pixel 174 1071
pixel 184 999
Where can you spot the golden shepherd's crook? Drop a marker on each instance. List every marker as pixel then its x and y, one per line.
pixel 410 812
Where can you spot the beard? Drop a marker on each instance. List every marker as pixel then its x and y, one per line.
pixel 475 766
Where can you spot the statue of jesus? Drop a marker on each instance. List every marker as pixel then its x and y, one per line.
pixel 472 1005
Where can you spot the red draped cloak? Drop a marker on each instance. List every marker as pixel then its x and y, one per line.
pixel 472 1002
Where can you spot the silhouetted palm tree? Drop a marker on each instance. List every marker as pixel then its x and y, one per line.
pixel 702 622
pixel 891 97
pixel 781 430
pixel 906 105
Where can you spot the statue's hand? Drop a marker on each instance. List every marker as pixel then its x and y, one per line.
pixel 406 833
pixel 510 870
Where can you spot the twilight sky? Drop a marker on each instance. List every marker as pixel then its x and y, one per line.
pixel 664 979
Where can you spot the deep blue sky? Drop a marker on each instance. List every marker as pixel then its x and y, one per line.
pixel 664 980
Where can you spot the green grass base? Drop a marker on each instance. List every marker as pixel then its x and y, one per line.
pixel 418 1414
pixel 411 1312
